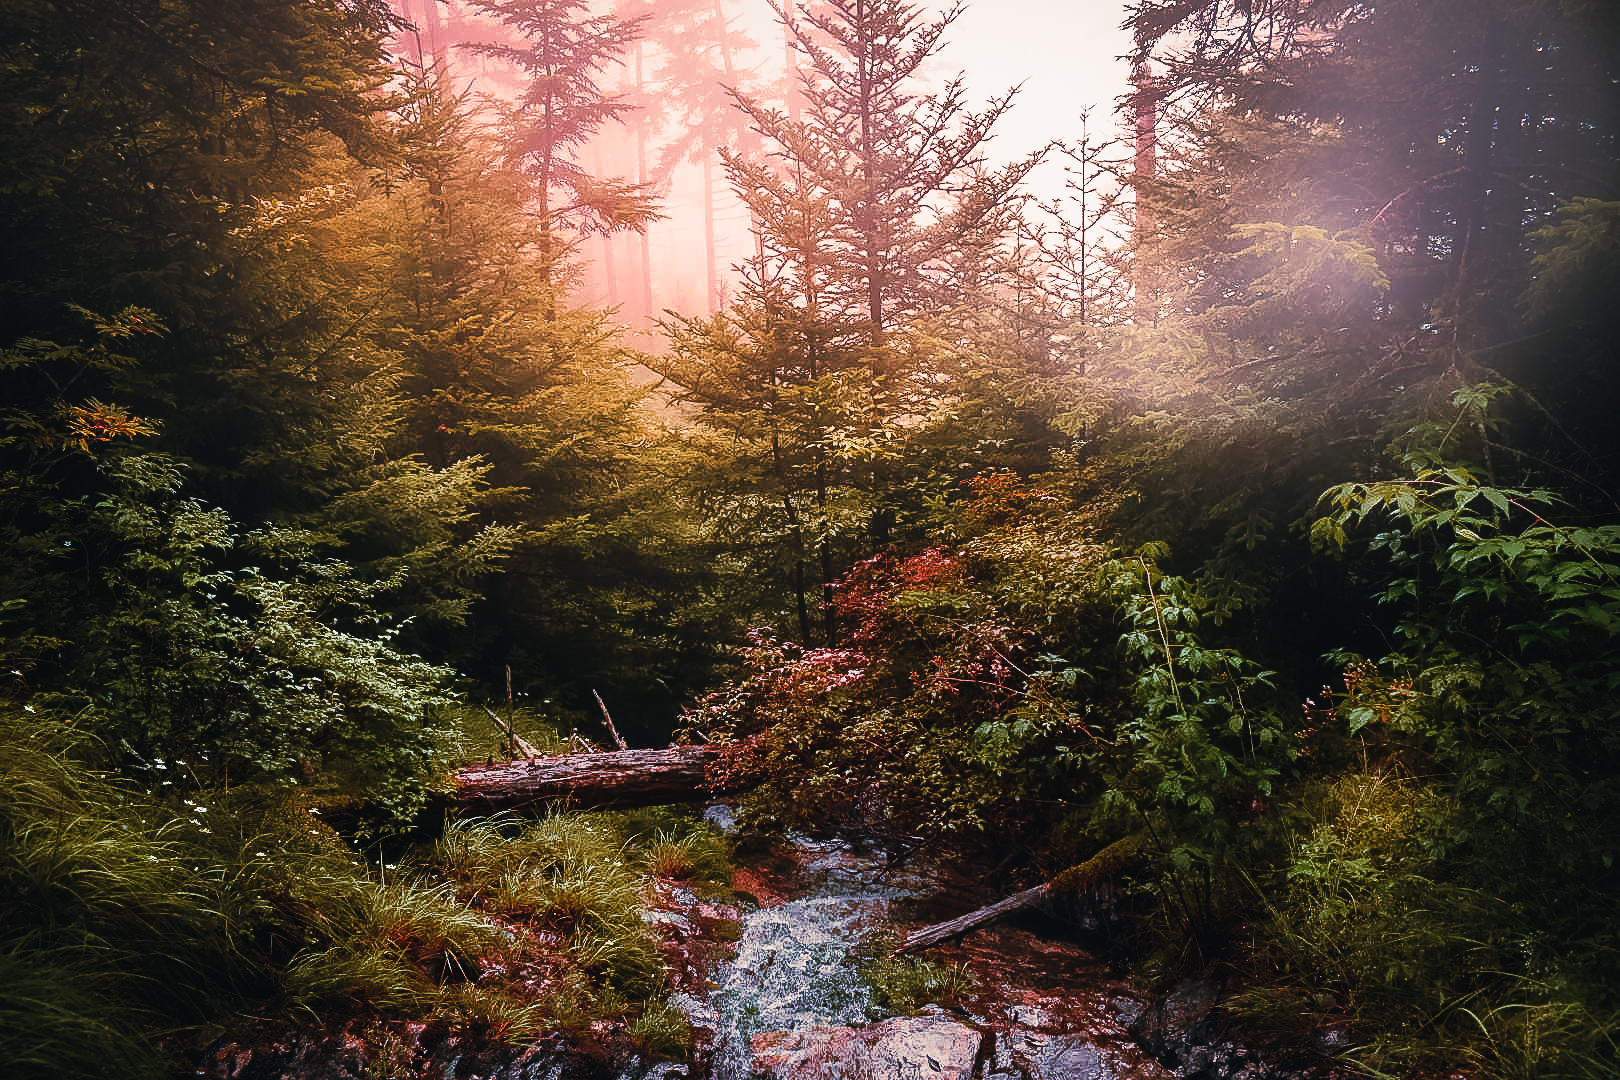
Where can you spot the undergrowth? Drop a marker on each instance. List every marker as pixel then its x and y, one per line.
pixel 135 923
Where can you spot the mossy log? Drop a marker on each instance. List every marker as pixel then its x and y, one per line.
pixel 616 780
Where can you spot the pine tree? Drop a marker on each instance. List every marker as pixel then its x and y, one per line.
pixel 562 107
pixel 902 171
pixel 871 209
pixel 136 134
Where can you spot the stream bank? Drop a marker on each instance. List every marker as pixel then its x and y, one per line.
pixel 790 1003
pixel 772 983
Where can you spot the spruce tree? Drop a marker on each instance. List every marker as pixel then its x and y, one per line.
pixel 565 52
pixel 903 171
pixel 872 208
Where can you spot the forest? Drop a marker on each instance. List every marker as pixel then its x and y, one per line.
pixel 1241 526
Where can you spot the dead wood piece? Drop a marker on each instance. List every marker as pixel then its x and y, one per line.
pixel 1106 865
pixel 521 746
pixel 618 739
pixel 587 781
pixel 933 935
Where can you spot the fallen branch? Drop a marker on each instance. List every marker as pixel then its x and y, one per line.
pixel 608 717
pixel 1102 867
pixel 516 742
pixel 933 935
pixel 587 781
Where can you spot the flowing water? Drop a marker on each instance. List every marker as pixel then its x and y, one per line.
pixel 796 963
pixel 791 1003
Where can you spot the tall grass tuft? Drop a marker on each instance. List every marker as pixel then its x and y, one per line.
pixel 568 881
pixel 118 924
pixel 902 984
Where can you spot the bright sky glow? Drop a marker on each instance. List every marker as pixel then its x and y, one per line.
pixel 1064 52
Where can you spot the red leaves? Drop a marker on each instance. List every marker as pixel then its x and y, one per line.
pixel 866 596
pixel 95 422
pixel 999 497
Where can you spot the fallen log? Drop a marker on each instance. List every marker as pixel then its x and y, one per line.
pixel 604 781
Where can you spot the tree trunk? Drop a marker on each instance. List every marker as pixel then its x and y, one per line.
pixel 586 781
pixel 641 182
pixel 711 267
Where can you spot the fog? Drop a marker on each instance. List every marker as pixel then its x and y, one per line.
pixel 1061 56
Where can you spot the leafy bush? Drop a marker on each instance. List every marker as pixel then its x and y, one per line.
pixel 1019 690
pixel 1508 622
pixel 1455 892
pixel 207 668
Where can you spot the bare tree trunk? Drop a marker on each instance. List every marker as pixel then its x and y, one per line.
pixel 711 268
pixel 641 179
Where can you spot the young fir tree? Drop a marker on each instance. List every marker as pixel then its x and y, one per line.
pixel 565 52
pixel 523 407
pixel 872 207
pixel 904 169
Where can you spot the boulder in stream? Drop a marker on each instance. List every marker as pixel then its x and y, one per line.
pixel 937 1047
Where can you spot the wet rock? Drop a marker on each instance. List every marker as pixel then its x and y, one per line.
pixel 1180 1030
pixel 1024 1054
pixel 1178 1023
pixel 922 1047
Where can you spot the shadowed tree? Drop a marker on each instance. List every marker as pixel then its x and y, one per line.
pixel 695 76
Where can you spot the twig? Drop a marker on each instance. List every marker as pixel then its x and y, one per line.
pixel 607 716
pixel 515 742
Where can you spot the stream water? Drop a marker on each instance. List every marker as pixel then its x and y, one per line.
pixel 796 964
pixel 791 1003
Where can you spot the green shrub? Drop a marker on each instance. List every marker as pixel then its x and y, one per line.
pixel 902 984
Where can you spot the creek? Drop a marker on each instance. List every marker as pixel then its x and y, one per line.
pixel 775 984
pixel 791 1002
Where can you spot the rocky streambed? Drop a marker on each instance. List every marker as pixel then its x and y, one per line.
pixel 774 984
pixel 791 1003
